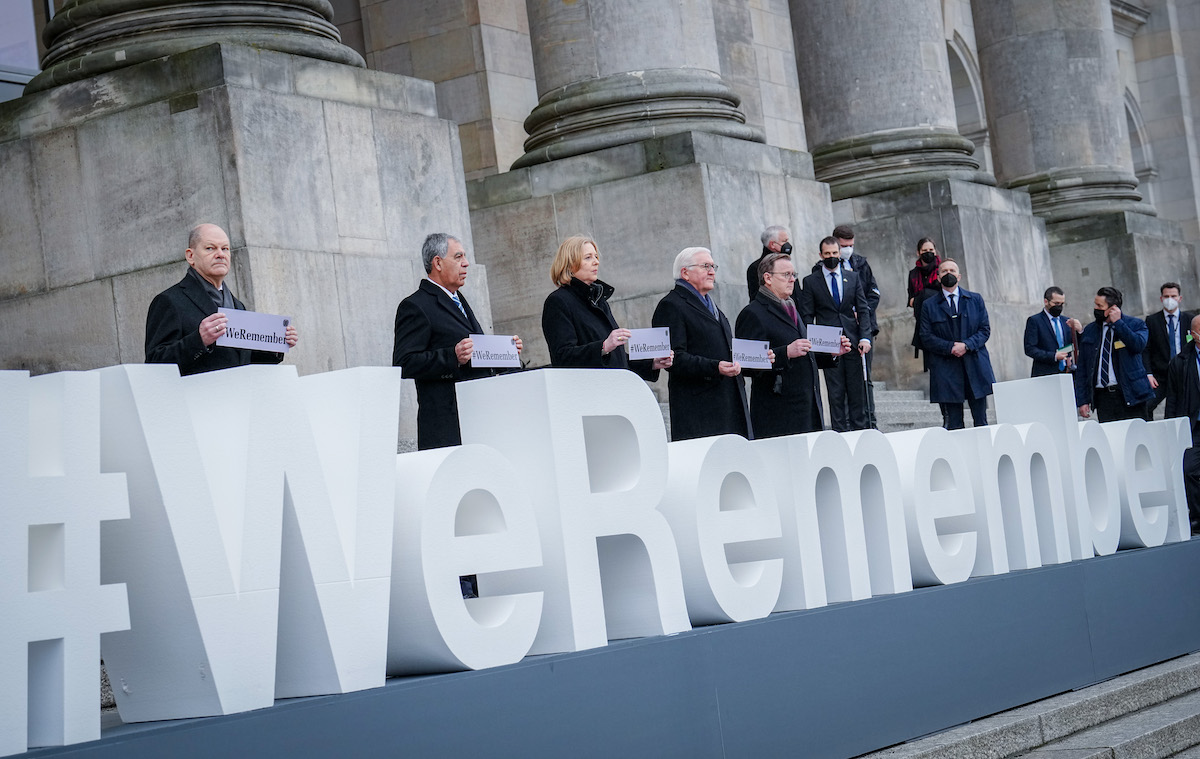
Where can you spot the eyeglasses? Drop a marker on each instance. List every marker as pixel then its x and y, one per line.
pixel 788 275
pixel 706 267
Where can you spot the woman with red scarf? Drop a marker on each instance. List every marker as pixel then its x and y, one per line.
pixel 922 284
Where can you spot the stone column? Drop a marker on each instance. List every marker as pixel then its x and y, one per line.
pixel 90 37
pixel 1054 101
pixel 878 101
pixel 612 72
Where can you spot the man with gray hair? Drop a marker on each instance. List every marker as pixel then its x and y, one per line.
pixel 432 344
pixel 708 396
pixel 775 239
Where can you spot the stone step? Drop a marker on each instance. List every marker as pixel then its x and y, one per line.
pixel 1191 753
pixel 881 395
pixel 1156 731
pixel 1150 713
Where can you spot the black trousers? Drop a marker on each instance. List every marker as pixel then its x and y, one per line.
pixel 1109 405
pixel 952 413
pixel 1160 394
pixel 847 389
pixel 1191 482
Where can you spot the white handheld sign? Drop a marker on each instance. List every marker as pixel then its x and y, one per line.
pixel 825 339
pixel 751 354
pixel 250 329
pixel 495 351
pixel 653 342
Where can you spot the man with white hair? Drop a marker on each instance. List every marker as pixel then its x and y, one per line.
pixel 708 396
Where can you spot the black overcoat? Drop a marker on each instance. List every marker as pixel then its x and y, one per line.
pixel 173 332
pixel 428 326
pixel 703 402
pixel 576 320
pixel 784 400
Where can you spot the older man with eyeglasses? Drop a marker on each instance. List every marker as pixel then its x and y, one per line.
pixel 785 399
pixel 708 396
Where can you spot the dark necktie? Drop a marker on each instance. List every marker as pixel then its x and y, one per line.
pixel 1105 355
pixel 790 310
pixel 1171 333
pixel 954 304
pixel 833 288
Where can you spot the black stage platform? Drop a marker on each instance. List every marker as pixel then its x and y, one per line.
pixel 831 682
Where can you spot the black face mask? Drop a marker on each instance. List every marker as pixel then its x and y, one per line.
pixel 928 256
pixel 949 280
pixel 786 249
pixel 1099 313
pixel 831 263
pixel 1055 311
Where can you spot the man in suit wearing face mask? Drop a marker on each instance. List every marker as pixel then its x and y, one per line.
pixel 833 297
pixel 1048 337
pixel 775 239
pixel 1168 336
pixel 955 330
pixel 1110 379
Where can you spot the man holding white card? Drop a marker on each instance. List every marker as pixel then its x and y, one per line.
pixel 183 322
pixel 834 297
pixel 786 399
pixel 708 396
pixel 432 340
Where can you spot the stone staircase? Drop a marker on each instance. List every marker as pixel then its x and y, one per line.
pixel 1153 713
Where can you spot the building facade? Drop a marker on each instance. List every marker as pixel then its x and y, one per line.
pixel 1049 142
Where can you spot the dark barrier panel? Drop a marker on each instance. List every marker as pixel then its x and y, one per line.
pixel 832 682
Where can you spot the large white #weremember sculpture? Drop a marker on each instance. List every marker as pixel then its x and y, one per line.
pixel 277 546
pixel 262 509
pixel 52 605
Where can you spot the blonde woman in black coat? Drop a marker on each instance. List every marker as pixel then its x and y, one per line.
pixel 578 324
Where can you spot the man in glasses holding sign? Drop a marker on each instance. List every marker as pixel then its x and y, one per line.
pixel 708 396
pixel 185 321
pixel 785 399
pixel 436 336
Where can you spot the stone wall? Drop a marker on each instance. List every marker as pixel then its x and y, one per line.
pixel 327 178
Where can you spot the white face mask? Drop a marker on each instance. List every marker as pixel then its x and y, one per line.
pixel 1170 304
pixel 845 252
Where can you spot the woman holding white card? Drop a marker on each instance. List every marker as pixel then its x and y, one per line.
pixel 576 319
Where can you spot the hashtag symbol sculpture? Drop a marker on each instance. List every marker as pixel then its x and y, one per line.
pixel 53 497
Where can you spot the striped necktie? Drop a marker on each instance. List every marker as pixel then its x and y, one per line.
pixel 457 302
pixel 1058 335
pixel 1106 355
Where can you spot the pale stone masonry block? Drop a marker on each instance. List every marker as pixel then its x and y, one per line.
pixel 464 99
pixel 512 97
pixel 65 243
pixel 19 274
pixel 451 54
pixel 132 218
pixel 65 329
pixel 282 128
pixel 507 52
pixel 506 14
pixel 357 201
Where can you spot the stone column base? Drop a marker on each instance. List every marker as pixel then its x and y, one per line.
pixel 1000 247
pixel 327 178
pixel 643 203
pixel 1132 252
